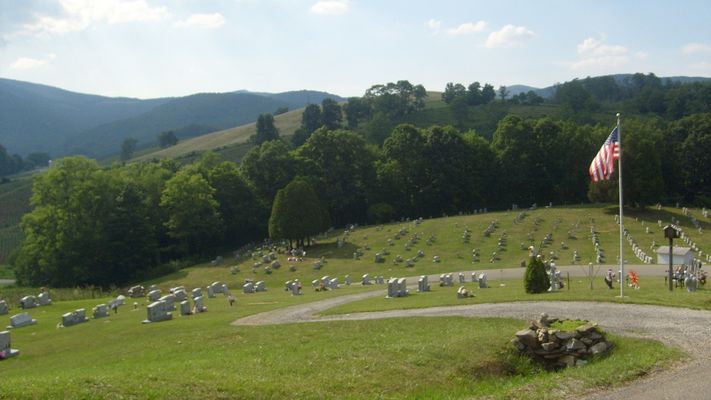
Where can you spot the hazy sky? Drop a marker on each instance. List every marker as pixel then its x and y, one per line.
pixel 155 48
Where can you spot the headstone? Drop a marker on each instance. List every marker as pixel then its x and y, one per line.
pixel 259 287
pixel 158 311
pixel 482 281
pixel 153 295
pixel 100 311
pixel 3 307
pixel 402 287
pixel 475 277
pixel 44 299
pixel 380 280
pixel 137 291
pixel 446 280
pixel 461 278
pixel 422 284
pixel 185 308
pixel 199 306
pixel 28 302
pixel 210 292
pixel 118 301
pixel 6 350
pixel 347 280
pixel 75 317
pixel 333 283
pixel 248 287
pixel 169 301
pixel 295 288
pixel 217 287
pixel 180 295
pixel 392 288
pixel 197 292
pixel 463 293
pixel 366 280
pixel 20 320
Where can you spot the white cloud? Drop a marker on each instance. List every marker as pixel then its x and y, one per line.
pixel 433 24
pixel 27 63
pixel 508 36
pixel 80 14
pixel 331 7
pixel 467 28
pixel 207 21
pixel 696 48
pixel 595 53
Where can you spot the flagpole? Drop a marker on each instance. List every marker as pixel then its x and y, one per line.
pixel 622 224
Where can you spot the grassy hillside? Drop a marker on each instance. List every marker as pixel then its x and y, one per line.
pixel 287 123
pixel 438 358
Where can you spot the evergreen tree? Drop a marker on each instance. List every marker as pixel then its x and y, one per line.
pixel 535 280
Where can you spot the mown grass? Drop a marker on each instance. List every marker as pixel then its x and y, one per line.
pixel 653 291
pixel 204 356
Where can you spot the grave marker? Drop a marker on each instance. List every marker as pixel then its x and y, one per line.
pixel 159 311
pixel 20 320
pixel 74 318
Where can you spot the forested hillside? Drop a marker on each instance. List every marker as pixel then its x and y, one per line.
pixel 393 153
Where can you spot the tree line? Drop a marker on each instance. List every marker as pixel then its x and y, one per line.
pixel 14 163
pixel 94 225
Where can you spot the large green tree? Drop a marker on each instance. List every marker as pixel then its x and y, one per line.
pixel 268 168
pixel 297 214
pixel 192 213
pixel 266 130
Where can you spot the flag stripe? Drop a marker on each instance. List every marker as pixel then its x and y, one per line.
pixel 603 165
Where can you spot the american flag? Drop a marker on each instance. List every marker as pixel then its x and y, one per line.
pixel 603 165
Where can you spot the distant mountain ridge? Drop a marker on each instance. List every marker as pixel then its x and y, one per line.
pixel 549 91
pixel 36 117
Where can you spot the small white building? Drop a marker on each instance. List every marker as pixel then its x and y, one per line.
pixel 681 255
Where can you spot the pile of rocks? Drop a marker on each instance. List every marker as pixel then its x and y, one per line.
pixel 561 349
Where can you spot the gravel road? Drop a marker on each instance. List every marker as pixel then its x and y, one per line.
pixel 687 329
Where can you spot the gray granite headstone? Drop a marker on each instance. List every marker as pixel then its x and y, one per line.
pixel 169 301
pixel 248 287
pixel 75 317
pixel 154 295
pixel 422 284
pixel 197 292
pixel 100 311
pixel 6 350
pixel 20 320
pixel 185 308
pixel 199 306
pixel 44 299
pixel 28 302
pixel 158 311
pixel 260 287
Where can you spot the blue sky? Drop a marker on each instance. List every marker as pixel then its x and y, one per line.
pixel 156 48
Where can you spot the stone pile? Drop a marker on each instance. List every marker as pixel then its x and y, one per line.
pixel 558 349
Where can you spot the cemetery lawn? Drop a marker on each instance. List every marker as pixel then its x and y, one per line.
pixel 203 356
pixel 6 272
pixel 653 291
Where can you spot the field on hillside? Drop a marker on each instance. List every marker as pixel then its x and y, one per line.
pixel 287 124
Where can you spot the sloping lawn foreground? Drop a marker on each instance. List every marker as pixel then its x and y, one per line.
pixel 203 356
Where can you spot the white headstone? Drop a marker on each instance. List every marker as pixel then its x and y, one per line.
pixel 3 307
pixel 185 308
pixel 169 301
pixel 199 306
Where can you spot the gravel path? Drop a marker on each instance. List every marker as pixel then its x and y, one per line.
pixel 687 329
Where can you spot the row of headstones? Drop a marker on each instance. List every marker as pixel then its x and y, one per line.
pixel 638 252
pixel 491 228
pixel 250 287
pixel 687 239
pixel 30 301
pixel 599 253
pixel 68 319
pixel 447 280
pixel 520 217
pixel 161 310
pixel 365 280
